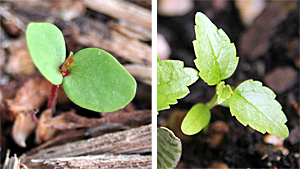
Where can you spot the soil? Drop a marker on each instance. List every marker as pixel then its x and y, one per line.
pixel 87 27
pixel 270 45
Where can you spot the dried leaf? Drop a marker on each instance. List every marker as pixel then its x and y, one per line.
pixel 22 128
pixel 32 94
pixel 44 131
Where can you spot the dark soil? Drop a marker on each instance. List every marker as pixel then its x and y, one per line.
pixel 240 147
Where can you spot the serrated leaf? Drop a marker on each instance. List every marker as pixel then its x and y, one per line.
pixel 255 105
pixel 223 91
pixel 47 48
pixel 98 81
pixel 172 82
pixel 216 56
pixel 168 149
pixel 196 119
pixel 225 103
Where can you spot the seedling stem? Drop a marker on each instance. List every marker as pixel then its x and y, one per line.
pixel 213 102
pixel 52 98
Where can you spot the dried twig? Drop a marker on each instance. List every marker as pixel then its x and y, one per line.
pixel 12 18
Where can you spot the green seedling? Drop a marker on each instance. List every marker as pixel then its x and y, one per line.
pixel 172 80
pixel 251 103
pixel 92 78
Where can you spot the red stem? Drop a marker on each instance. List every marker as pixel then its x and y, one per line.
pixel 33 116
pixel 51 101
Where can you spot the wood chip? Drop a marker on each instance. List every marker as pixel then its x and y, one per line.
pixel 68 9
pixel 118 118
pixel 8 15
pixel 137 140
pixel 123 10
pixel 100 36
pixel 114 121
pixel 20 62
pixel 94 161
pixel 140 72
pixel 11 162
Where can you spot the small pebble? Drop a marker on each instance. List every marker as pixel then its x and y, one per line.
pixel 219 165
pixel 214 140
pixel 294 137
pixel 281 78
pixel 163 48
pixel 174 7
pixel 249 9
pixel 260 68
pixel 273 139
pixel 220 5
pixel 220 127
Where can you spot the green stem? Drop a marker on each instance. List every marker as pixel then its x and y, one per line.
pixel 213 102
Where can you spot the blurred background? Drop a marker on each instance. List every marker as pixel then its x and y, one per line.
pixel 266 35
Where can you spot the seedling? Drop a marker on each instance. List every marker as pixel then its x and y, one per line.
pixel 250 102
pixel 92 78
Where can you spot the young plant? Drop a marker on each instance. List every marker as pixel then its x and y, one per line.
pixel 251 103
pixel 171 81
pixel 92 78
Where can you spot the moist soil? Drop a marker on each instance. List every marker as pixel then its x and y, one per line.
pixel 226 142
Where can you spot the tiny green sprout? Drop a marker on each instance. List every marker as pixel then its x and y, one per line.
pixel 92 78
pixel 251 103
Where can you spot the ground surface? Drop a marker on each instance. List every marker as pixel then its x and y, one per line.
pixel 84 24
pixel 269 52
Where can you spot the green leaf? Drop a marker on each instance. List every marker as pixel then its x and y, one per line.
pixel 225 103
pixel 168 149
pixel 47 48
pixel 223 91
pixel 255 105
pixel 172 82
pixel 216 56
pixel 196 119
pixel 99 82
